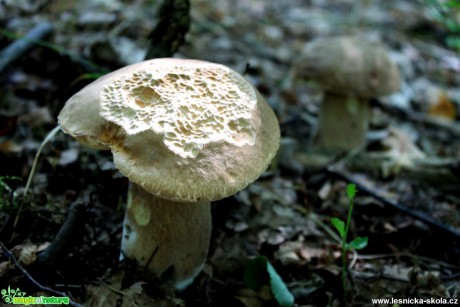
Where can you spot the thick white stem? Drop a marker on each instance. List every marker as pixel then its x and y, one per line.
pixel 166 236
pixel 343 123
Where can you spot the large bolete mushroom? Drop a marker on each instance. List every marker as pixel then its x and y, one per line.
pixel 185 132
pixel 351 71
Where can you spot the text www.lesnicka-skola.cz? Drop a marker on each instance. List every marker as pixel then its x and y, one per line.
pixel 431 301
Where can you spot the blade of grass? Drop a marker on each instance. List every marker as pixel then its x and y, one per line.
pixel 32 171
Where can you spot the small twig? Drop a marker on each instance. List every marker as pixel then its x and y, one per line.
pixel 67 236
pixel 450 277
pixel 16 49
pixel 31 39
pixel 408 255
pixel 33 280
pixel 396 205
pixel 378 275
pixel 418 258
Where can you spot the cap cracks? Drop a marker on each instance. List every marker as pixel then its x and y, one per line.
pixel 188 106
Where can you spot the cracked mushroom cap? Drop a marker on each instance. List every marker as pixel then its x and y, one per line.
pixel 184 130
pixel 348 65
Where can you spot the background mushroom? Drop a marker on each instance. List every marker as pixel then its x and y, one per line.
pixel 185 132
pixel 350 71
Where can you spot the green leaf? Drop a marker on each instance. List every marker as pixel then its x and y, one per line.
pixel 259 272
pixel 351 191
pixel 282 294
pixel 357 243
pixel 4 185
pixel 339 225
pixel 453 4
pixel 453 42
pixel 255 273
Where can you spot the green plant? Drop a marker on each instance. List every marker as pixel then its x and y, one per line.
pixel 447 14
pixel 7 195
pixel 9 294
pixel 342 228
pixel 259 272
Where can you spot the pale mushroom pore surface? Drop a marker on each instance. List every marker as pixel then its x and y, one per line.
pixel 188 106
pixel 184 130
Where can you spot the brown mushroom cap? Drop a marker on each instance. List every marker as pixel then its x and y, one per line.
pixel 184 130
pixel 348 65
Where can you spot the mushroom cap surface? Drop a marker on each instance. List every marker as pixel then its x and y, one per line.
pixel 184 130
pixel 348 65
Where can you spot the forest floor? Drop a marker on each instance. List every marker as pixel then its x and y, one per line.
pixel 408 174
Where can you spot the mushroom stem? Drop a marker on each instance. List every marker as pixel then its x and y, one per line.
pixel 343 122
pixel 168 238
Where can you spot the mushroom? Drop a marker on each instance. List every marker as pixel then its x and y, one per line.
pixel 350 71
pixel 185 133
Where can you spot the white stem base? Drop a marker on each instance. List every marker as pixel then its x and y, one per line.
pixel 164 235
